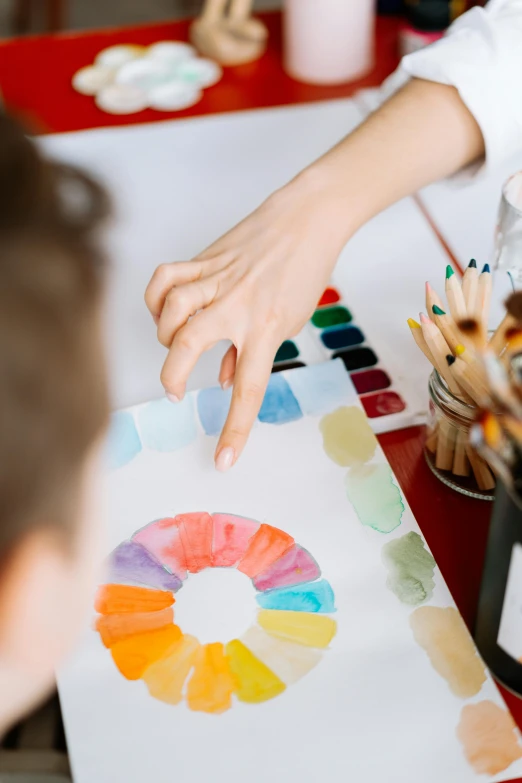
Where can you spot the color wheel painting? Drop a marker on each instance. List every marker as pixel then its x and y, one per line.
pixel 137 621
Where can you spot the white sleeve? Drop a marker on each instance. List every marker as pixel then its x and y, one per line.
pixel 481 56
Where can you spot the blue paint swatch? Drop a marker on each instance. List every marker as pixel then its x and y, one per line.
pixel 308 597
pixel 342 337
pixel 322 388
pixel 279 406
pixel 123 441
pixel 167 426
pixel 213 406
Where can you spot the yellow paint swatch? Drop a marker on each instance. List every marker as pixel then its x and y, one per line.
pixel 165 678
pixel 134 655
pixel 211 686
pixel 347 437
pixel 287 660
pixel 312 630
pixel 488 735
pixel 254 682
pixel 443 635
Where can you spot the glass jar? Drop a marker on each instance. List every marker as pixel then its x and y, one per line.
pixel 447 451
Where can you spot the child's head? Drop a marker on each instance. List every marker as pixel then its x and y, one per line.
pixel 53 411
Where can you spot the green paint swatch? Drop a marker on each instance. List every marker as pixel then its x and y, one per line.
pixel 375 497
pixel 287 351
pixel 410 568
pixel 331 316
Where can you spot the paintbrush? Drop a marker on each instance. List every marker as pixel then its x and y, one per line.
pixel 512 318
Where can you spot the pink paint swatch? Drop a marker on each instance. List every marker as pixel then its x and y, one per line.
pixel 162 538
pixel 266 546
pixel 196 536
pixel 231 537
pixel 295 566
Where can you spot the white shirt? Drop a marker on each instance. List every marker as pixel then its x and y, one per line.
pixel 481 55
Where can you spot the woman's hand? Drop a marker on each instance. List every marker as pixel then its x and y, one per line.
pixel 256 286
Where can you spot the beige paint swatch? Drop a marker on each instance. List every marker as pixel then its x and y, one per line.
pixel 347 437
pixel 450 648
pixel 489 737
pixel 287 660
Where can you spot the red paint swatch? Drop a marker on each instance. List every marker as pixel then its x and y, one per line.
pixel 370 381
pixel 382 404
pixel 330 296
pixel 196 537
pixel 264 548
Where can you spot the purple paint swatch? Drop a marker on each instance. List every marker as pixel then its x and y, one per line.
pixel 131 562
pixel 295 566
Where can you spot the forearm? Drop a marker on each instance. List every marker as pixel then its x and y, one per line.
pixel 422 134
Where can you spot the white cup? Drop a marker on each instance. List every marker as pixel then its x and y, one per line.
pixel 328 41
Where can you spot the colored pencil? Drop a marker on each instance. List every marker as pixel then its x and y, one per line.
pixel 439 349
pixel 470 287
pixel 473 330
pixel 454 295
pixel 416 331
pixel 484 289
pixel 467 378
pixel 432 299
pixel 447 326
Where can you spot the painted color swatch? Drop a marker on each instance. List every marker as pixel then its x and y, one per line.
pixel 450 648
pixel 279 404
pixel 264 548
pixel 131 562
pixel 231 538
pixel 212 684
pixel 123 441
pixel 489 737
pixel 307 597
pixel 136 622
pixel 321 388
pixel 300 627
pixel 120 599
pixel 329 297
pixel 213 406
pixel 287 351
pixel 410 569
pixel 295 566
pixel 375 497
pixel 168 427
pixel 347 437
pixel 370 381
pixel 383 404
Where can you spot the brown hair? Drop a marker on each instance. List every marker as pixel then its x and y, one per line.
pixel 53 397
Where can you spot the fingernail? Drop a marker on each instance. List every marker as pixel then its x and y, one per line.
pixel 172 397
pixel 226 384
pixel 225 460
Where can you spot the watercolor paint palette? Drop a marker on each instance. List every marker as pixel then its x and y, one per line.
pixel 283 621
pixel 333 333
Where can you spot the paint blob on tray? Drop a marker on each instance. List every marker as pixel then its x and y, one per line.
pixel 291 627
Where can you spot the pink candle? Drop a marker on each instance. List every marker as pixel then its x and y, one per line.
pixel 328 41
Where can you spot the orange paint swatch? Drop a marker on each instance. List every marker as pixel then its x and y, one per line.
pixel 120 599
pixel 165 678
pixel 196 537
pixel 211 686
pixel 264 548
pixel 115 627
pixel 488 734
pixel 255 682
pixel 134 655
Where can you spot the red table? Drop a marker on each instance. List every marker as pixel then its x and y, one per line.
pixel 35 79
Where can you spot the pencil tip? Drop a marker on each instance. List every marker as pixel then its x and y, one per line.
pixel 412 323
pixel 428 287
pixel 472 264
pixel 486 268
pixel 438 310
pixel 449 272
pixel 459 350
pixel 424 319
pixel 450 359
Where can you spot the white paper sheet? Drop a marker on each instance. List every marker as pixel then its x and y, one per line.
pixel 372 709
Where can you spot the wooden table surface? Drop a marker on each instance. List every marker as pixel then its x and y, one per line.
pixel 35 79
